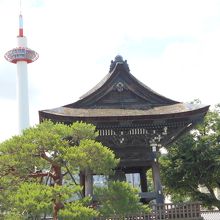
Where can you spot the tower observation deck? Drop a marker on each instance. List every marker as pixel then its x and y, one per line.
pixel 21 56
pixel 21 53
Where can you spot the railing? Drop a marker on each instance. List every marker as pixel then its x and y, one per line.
pixel 177 211
pixel 183 211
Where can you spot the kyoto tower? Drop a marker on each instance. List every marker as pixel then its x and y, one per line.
pixel 21 56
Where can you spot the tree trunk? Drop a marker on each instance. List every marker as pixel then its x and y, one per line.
pixel 58 180
pixel 58 177
pixel 82 182
pixel 56 207
pixel 55 213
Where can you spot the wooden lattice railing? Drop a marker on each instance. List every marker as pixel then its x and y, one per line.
pixel 183 211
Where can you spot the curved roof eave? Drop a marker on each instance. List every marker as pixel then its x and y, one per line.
pixel 172 111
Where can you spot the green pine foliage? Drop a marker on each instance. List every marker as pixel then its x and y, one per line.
pixel 92 155
pixel 76 211
pixel 37 175
pixel 119 198
pixel 35 165
pixel 191 169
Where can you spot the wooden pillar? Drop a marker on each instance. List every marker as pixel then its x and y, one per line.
pixel 82 182
pixel 157 182
pixel 88 183
pixel 143 180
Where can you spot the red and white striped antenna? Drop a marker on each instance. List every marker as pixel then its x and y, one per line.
pixel 21 32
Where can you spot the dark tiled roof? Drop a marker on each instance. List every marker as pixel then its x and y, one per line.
pixel 135 101
pixel 115 64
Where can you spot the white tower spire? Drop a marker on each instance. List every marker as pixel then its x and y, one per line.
pixel 21 56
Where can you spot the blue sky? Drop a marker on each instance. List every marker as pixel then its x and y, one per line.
pixel 172 46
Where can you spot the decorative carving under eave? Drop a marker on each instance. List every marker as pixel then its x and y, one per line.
pixel 127 137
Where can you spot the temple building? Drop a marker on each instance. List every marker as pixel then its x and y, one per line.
pixel 132 120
